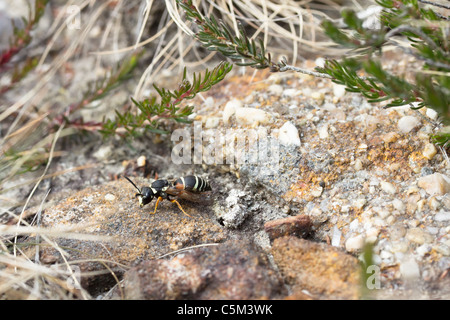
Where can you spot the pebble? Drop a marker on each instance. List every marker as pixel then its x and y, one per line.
pixel 323 132
pixel 442 216
pixel 390 137
pixel 388 187
pixel 429 151
pixel 434 184
pixel 289 134
pixel 408 123
pixel 320 62
pixel 316 191
pixel 358 164
pixel 400 246
pixel 409 269
pixel 336 237
pixel 291 92
pixel 398 205
pixel 423 249
pixel 318 96
pixel 418 235
pixel 338 90
pixel 431 114
pixel 276 89
pixel 443 249
pixel 433 203
pixel 212 122
pixel 103 153
pixel 355 243
pixel 110 197
pixel 387 257
pixel 252 116
pixel 372 234
pixel 141 161
pixel 230 109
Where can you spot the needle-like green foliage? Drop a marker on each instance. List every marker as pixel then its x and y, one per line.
pixel 427 34
pixel 216 36
pixel 152 112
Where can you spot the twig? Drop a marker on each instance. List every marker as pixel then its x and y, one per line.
pixel 435 4
pixel 418 32
pixel 312 73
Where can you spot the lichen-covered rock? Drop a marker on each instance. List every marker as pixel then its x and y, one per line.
pixel 232 270
pixel 323 270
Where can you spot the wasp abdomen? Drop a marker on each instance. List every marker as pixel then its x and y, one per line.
pixel 192 183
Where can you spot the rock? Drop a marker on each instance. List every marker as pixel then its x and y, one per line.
pixel 288 135
pixel 336 237
pixel 358 164
pixel 429 151
pixel 432 114
pixel 103 153
pixel 236 212
pixel 120 231
pixel 418 236
pixel 230 109
pixel 324 271
pixel 408 123
pixel 390 137
pixel 338 90
pixel 110 197
pixel 212 122
pixel 316 191
pixel 318 96
pixel 434 184
pixel 232 270
pixel 354 244
pixel 299 226
pixel 442 249
pixel 442 216
pixel 409 269
pixel 398 205
pixel 291 92
pixel 252 116
pixel 141 161
pixel 388 187
pixel 276 89
pixel 323 132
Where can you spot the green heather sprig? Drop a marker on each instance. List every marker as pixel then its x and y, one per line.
pixel 427 35
pixel 426 31
pixel 216 36
pixel 152 112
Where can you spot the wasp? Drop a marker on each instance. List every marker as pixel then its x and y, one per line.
pixel 191 188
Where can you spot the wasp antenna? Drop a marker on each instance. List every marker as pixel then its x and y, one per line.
pixel 132 183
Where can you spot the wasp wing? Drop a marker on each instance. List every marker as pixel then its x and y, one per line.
pixel 199 197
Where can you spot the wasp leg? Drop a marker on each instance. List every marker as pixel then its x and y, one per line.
pixel 157 202
pixel 179 206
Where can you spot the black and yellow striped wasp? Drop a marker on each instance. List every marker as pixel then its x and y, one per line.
pixel 192 188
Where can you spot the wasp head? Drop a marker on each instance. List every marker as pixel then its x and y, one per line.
pixel 145 196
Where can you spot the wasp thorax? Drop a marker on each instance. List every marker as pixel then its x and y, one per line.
pixel 160 185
